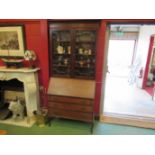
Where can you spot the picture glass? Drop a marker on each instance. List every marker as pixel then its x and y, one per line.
pixel 11 41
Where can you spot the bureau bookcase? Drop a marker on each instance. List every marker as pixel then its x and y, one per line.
pixel 72 70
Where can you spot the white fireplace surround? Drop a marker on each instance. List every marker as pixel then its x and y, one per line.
pixel 29 78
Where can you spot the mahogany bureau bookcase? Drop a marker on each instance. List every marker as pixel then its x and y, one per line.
pixel 72 57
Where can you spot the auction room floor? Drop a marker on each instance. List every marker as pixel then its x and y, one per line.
pixel 122 98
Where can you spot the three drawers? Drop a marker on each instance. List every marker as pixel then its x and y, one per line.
pixel 70 107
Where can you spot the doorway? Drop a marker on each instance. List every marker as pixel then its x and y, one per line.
pixel 124 95
pixel 120 57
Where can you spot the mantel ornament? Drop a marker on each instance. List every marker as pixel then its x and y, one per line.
pixel 30 56
pixel 13 62
pixel 17 62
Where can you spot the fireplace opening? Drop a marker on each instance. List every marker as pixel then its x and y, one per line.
pixel 12 99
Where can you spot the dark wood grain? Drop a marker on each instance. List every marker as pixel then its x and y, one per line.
pixel 71 108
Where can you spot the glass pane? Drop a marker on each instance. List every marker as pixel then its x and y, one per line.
pixel 61 36
pixel 85 54
pixel 85 36
pixel 61 55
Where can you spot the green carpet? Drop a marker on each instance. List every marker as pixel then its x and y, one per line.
pixel 68 127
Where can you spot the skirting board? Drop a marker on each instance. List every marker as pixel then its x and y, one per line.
pixel 122 119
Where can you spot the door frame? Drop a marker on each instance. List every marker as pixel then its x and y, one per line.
pixel 148 62
pixel 115 118
pixel 105 69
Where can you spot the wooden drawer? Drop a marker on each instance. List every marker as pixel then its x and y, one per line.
pixel 72 107
pixel 70 100
pixel 88 117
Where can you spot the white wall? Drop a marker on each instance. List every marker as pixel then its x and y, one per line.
pixel 143 45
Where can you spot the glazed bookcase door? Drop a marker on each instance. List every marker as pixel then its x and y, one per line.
pixel 73 49
pixel 84 55
pixel 61 53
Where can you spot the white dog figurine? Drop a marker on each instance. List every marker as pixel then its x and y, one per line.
pixel 17 109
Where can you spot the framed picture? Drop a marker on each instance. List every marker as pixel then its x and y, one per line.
pixel 11 41
pixel 153 58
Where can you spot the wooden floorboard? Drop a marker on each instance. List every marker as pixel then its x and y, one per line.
pixel 114 118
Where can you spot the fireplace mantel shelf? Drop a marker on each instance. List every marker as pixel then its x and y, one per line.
pixel 24 70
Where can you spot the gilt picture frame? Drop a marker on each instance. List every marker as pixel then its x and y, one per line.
pixel 12 42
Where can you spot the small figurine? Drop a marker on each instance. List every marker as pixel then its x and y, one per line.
pixel 80 51
pixel 89 52
pixel 30 56
pixel 69 49
pixel 81 63
pixel 66 61
pixel 60 49
pixel 88 65
pixel 60 60
pixel 86 52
